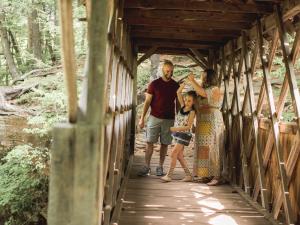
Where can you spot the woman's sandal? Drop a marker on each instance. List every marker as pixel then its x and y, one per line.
pixel 215 182
pixel 203 180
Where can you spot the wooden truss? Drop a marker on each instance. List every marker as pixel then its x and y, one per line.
pixel 237 112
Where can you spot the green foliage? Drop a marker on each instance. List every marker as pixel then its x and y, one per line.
pixel 143 76
pixel 288 116
pixel 23 185
pixel 17 13
pixel 49 100
pixel 181 71
pixel 279 71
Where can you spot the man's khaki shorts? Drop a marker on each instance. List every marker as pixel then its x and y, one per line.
pixel 159 128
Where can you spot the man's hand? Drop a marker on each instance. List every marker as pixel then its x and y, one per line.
pixel 142 123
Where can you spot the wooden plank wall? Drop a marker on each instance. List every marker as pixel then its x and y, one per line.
pixel 90 154
pixel 265 162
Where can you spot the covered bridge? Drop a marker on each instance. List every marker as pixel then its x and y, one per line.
pixel 92 152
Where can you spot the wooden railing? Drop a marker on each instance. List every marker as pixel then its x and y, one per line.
pixel 264 162
pixel 91 153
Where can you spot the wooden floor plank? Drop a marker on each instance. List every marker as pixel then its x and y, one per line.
pixel 148 201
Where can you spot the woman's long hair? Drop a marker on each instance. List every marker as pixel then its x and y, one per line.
pixel 211 78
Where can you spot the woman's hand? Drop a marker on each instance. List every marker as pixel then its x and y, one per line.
pixel 182 85
pixel 191 77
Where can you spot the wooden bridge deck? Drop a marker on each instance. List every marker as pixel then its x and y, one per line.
pixel 149 201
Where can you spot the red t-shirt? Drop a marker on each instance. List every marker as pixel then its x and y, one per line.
pixel 163 98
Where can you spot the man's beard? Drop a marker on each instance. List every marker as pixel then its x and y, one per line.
pixel 168 77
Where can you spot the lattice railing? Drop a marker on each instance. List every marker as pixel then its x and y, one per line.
pixel 244 115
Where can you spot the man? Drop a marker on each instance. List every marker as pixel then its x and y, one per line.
pixel 160 96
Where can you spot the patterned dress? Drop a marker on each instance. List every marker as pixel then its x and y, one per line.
pixel 209 136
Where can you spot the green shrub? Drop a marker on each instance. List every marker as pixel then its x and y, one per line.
pixel 24 173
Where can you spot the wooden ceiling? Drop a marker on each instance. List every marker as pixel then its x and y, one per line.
pixel 175 26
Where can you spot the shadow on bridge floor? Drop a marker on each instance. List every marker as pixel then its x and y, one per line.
pixel 148 201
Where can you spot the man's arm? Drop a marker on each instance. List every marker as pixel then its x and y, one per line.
pixel 145 109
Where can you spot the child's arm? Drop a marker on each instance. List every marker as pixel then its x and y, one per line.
pixel 179 94
pixel 188 126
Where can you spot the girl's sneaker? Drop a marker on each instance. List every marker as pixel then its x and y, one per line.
pixel 166 178
pixel 187 179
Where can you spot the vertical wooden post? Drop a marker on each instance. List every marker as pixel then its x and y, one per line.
pixel 236 75
pixel 68 56
pixel 61 195
pixel 134 101
pixel 260 169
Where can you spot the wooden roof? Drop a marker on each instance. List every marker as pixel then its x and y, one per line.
pixel 175 26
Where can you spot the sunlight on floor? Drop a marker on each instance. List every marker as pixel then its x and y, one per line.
pixel 154 217
pixel 222 220
pixel 207 212
pixel 154 206
pixel 198 195
pixel 211 203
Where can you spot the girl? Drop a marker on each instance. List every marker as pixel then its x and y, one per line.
pixel 181 133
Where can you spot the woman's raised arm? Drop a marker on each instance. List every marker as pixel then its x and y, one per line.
pixel 200 90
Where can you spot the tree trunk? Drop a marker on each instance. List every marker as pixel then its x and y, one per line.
pixel 34 35
pixel 15 47
pixel 154 66
pixel 6 50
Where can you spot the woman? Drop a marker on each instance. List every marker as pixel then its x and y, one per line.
pixel 209 129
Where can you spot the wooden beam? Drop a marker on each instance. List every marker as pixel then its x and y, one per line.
pixel 176 35
pixel 150 52
pixel 275 129
pixel 200 5
pixel 191 56
pixel 196 30
pixel 189 15
pixel 176 43
pixel 68 59
pixel 188 23
pixel 269 23
pixel 200 57
pixel 165 50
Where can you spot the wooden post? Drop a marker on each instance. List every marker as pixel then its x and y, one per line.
pixel 228 114
pixel 61 195
pixel 237 92
pixel 134 101
pixel 68 56
pixel 260 169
